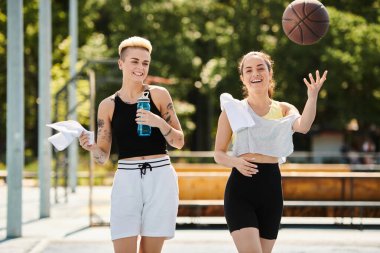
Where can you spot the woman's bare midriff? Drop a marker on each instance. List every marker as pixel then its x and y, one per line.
pixel 136 158
pixel 259 158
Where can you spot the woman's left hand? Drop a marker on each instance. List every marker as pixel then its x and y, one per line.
pixel 145 117
pixel 314 86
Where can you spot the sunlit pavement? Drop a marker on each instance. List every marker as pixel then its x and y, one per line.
pixel 67 231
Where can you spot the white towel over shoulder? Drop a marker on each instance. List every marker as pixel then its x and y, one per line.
pixel 68 131
pixel 237 113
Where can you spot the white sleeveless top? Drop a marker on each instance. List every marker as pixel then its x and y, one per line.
pixel 272 137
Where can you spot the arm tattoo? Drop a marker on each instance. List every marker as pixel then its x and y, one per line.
pixel 99 157
pixel 100 123
pixel 168 119
pixel 106 136
pixel 170 130
pixel 103 133
pixel 166 116
pixel 170 107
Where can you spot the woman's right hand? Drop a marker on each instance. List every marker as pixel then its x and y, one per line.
pixel 246 166
pixel 84 140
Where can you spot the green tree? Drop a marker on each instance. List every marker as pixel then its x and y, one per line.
pixel 198 44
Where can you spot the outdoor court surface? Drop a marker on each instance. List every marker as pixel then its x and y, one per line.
pixel 67 231
pixel 202 241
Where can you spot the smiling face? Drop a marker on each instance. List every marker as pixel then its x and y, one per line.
pixel 255 74
pixel 135 65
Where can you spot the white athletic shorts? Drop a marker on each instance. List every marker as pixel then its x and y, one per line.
pixel 144 199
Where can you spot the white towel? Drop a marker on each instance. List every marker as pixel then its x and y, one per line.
pixel 68 131
pixel 237 113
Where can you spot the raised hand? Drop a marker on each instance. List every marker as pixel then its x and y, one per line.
pixel 314 86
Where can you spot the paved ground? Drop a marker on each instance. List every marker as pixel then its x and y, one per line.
pixel 68 231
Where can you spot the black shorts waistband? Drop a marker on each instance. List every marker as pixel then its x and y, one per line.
pixel 143 165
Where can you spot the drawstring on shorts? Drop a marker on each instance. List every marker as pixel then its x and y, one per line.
pixel 143 167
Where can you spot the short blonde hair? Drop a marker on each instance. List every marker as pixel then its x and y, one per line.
pixel 135 42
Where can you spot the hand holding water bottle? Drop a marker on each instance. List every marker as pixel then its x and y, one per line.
pixel 148 118
pixel 144 117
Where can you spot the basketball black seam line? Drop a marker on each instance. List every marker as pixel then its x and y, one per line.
pixel 306 17
pixel 291 31
pixel 301 20
pixel 314 21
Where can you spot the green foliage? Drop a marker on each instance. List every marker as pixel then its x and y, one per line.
pixel 198 44
pixel 347 51
pixel 368 9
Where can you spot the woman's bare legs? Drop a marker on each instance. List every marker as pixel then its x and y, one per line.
pixel 125 245
pixel 151 244
pixel 247 240
pixel 267 245
pixel 147 244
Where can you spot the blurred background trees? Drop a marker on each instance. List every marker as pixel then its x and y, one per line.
pixel 198 44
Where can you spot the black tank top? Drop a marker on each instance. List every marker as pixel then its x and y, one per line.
pixel 124 131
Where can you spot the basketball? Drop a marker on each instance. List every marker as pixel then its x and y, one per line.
pixel 305 22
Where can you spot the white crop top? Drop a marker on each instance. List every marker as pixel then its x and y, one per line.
pixel 272 137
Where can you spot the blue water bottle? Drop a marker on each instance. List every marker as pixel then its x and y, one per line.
pixel 143 103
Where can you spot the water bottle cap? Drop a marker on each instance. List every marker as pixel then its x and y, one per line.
pixel 144 97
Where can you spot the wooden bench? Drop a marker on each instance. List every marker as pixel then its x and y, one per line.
pixel 286 167
pixel 212 208
pixel 307 194
pixel 337 208
pixel 25 175
pixel 199 207
pixel 341 186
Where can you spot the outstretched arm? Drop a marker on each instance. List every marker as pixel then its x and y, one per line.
pixel 303 124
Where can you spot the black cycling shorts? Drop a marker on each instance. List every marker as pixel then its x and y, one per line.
pixel 255 201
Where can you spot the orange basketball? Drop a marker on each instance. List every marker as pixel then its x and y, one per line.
pixel 305 22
